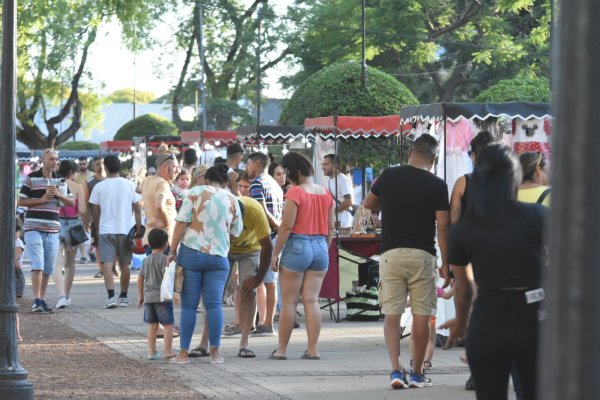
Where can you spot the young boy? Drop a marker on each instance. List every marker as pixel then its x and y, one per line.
pixel 19 278
pixel 149 281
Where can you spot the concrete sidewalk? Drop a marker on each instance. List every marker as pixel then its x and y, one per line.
pixel 354 362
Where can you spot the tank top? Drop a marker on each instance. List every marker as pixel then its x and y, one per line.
pixel 69 211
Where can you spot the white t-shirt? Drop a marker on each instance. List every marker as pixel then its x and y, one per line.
pixel 115 197
pixel 344 188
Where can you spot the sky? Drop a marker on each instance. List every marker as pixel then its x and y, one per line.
pixel 113 65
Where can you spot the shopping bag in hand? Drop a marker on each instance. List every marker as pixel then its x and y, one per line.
pixel 168 282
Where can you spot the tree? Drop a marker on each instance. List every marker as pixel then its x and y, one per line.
pixel 126 96
pixel 54 37
pixel 230 39
pixel 337 90
pixel 147 124
pixel 442 50
pixel 521 88
pixel 78 145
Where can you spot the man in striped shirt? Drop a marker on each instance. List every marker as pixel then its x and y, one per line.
pixel 41 196
pixel 268 193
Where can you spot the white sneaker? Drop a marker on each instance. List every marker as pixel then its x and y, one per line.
pixel 62 302
pixel 123 302
pixel 68 301
pixel 111 303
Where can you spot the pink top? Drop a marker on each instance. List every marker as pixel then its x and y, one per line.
pixel 313 211
pixel 69 211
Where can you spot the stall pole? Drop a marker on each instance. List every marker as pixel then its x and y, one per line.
pixel 444 149
pixel 570 340
pixel 13 377
pixel 337 232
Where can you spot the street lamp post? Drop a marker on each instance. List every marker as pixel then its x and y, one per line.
pixel 13 378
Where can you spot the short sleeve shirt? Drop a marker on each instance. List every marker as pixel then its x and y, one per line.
pixel 153 271
pixel 410 198
pixel 115 197
pixel 43 217
pixel 212 214
pixel 265 188
pixel 344 188
pixel 153 186
pixel 256 227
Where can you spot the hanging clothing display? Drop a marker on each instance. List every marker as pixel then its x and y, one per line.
pixel 455 156
pixel 532 135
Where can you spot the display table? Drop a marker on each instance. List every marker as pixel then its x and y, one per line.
pixel 357 246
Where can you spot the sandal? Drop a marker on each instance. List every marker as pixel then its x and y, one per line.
pixel 161 333
pixel 274 357
pixel 246 353
pixel 306 356
pixel 199 352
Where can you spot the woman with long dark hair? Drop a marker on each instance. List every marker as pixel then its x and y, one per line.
pixel 200 244
pixel 304 235
pixel 502 239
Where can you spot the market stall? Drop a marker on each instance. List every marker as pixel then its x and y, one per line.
pixel 522 125
pixel 327 131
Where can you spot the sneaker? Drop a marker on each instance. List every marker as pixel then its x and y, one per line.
pixel 123 302
pixel 398 380
pixel 45 308
pixel 232 333
pixel 99 275
pixel 111 303
pixel 37 306
pixel 262 331
pixel 68 301
pixel 419 381
pixel 62 303
pixel 83 260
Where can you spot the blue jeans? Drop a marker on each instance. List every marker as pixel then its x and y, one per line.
pixel 42 249
pixel 302 252
pixel 203 275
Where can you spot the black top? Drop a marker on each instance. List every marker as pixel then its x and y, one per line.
pixel 409 199
pixel 508 254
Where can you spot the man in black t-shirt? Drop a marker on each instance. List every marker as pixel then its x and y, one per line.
pixel 412 201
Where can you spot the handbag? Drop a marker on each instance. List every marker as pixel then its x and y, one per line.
pixel 77 235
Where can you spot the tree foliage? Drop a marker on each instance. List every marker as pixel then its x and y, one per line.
pixel 521 88
pixel 53 40
pixel 78 145
pixel 230 45
pixel 147 124
pixel 126 96
pixel 338 90
pixel 443 50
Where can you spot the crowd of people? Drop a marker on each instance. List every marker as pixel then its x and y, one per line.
pixel 267 230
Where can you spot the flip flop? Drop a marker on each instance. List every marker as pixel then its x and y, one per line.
pixel 175 361
pixel 217 361
pixel 274 357
pixel 305 356
pixel 199 352
pixel 155 356
pixel 246 353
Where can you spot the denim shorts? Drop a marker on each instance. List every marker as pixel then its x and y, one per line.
pixel 303 252
pixel 41 249
pixel 159 313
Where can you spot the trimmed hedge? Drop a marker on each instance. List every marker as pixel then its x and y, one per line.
pixel 148 124
pixel 337 89
pixel 521 88
pixel 79 145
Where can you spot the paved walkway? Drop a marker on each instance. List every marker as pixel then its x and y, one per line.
pixel 353 365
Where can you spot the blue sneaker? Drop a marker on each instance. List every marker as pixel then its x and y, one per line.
pixel 419 381
pixel 398 380
pixel 45 308
pixel 37 306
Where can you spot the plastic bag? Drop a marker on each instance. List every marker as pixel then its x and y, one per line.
pixel 168 282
